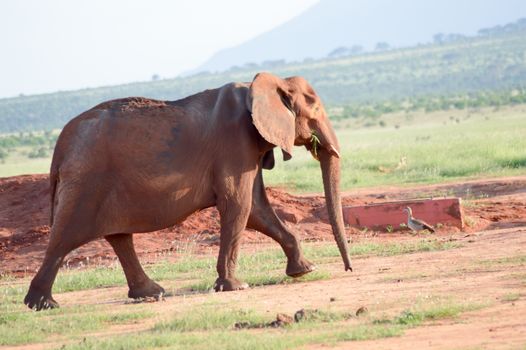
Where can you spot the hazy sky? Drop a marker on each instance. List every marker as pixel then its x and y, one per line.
pixel 50 45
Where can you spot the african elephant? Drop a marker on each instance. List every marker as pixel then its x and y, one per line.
pixel 138 165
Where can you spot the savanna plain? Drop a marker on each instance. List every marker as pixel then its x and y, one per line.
pixel 419 290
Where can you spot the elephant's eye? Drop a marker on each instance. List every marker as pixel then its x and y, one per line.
pixel 310 99
pixel 315 111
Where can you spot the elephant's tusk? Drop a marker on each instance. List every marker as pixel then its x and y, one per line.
pixel 333 151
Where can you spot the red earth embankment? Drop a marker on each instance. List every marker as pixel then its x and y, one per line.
pixel 25 200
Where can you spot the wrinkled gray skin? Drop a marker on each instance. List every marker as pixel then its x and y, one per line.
pixel 139 165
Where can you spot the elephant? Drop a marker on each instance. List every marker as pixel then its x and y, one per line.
pixel 137 165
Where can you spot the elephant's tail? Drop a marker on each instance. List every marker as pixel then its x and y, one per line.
pixel 53 181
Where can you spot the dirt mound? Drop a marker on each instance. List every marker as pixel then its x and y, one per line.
pixel 131 103
pixel 25 200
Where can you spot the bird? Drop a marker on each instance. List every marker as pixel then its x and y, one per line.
pixel 415 224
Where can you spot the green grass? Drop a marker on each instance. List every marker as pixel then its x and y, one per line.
pixel 319 252
pixel 510 297
pixel 510 260
pixel 266 268
pixel 415 316
pixel 262 268
pixel 18 164
pixel 207 325
pixel 258 269
pixel 208 318
pixel 434 152
pixel 18 325
pixel 258 279
pixel 24 327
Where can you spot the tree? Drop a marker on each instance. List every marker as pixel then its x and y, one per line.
pixel 273 63
pixel 382 46
pixel 356 49
pixel 250 65
pixel 40 152
pixel 438 38
pixel 339 52
pixel 454 37
pixel 3 155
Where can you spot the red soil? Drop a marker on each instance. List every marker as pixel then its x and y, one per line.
pixel 24 219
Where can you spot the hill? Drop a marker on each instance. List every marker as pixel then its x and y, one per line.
pixel 364 25
pixel 494 60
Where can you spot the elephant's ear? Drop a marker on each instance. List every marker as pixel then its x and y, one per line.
pixel 268 100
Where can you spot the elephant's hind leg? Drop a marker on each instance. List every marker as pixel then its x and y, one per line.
pixel 39 295
pixel 73 225
pixel 264 219
pixel 140 285
pixel 63 239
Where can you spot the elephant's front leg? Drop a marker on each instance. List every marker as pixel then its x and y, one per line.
pixel 264 219
pixel 233 205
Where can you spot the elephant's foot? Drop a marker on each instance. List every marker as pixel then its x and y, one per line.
pixel 38 300
pixel 229 284
pixel 299 268
pixel 149 289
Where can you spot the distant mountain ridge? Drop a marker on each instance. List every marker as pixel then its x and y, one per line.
pixel 341 23
pixel 493 61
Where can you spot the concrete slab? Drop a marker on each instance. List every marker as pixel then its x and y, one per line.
pixel 379 216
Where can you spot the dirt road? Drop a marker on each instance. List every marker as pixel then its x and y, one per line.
pixel 487 269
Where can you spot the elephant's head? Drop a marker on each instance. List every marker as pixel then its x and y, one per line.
pixel 288 112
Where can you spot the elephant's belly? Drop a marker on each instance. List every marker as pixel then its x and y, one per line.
pixel 148 211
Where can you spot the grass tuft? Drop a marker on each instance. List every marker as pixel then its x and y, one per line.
pixel 24 327
pixel 416 316
pixel 207 325
pixel 257 279
pixel 510 297
pixel 207 318
pixel 510 260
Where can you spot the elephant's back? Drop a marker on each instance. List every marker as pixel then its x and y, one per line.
pixel 131 134
pixel 108 119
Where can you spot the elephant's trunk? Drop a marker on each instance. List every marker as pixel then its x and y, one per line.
pixel 330 168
